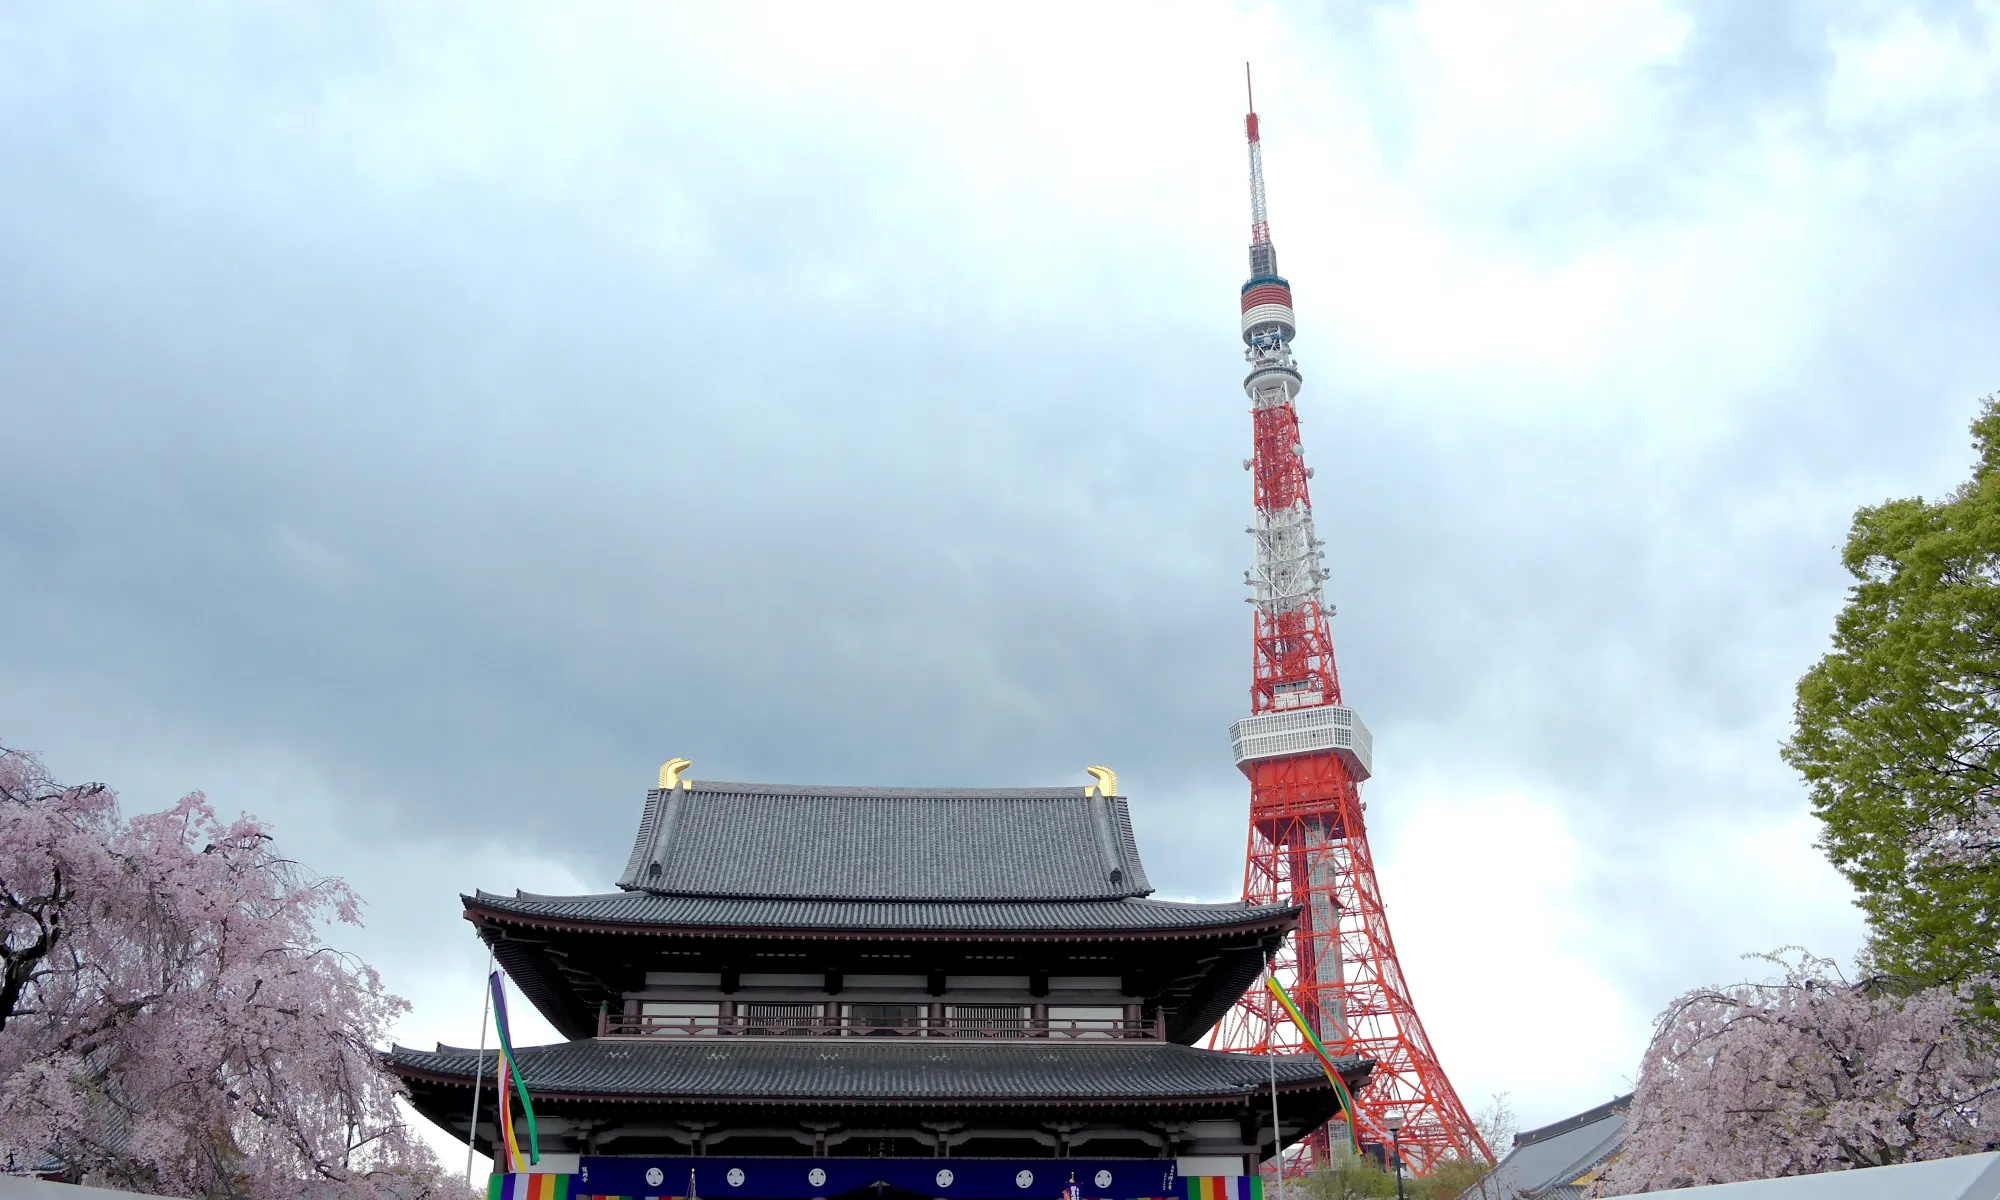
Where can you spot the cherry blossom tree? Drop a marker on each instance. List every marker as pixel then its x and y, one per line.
pixel 1811 1073
pixel 170 1020
pixel 1963 842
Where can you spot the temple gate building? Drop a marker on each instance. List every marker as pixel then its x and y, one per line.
pixel 803 991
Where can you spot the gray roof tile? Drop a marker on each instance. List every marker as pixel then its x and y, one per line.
pixel 887 1068
pixel 1544 1161
pixel 898 844
pixel 648 909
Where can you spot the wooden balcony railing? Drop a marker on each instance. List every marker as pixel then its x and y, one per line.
pixel 837 1024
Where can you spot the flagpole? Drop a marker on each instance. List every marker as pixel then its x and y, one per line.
pixel 1271 1057
pixel 479 1065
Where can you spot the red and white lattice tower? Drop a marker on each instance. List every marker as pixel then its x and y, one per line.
pixel 1306 755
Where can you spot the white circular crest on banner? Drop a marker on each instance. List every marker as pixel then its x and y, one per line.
pixel 944 1178
pixel 815 1176
pixel 653 1176
pixel 1104 1179
pixel 1025 1179
pixel 735 1177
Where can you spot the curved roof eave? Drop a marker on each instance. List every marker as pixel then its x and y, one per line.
pixel 788 918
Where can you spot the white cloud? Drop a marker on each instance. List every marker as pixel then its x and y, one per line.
pixel 1502 97
pixel 1904 65
pixel 1489 896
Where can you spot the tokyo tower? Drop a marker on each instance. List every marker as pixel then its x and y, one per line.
pixel 1306 755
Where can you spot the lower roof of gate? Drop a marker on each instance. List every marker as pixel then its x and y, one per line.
pixel 837 1070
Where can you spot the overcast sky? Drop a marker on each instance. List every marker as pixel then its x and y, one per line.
pixel 421 421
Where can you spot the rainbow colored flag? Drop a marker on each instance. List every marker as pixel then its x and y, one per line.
pixel 1224 1187
pixel 509 1150
pixel 514 1186
pixel 1325 1060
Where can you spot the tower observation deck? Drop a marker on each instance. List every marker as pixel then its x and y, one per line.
pixel 1306 755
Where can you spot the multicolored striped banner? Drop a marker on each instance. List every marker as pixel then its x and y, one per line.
pixel 1224 1187
pixel 1347 1108
pixel 509 1151
pixel 514 1186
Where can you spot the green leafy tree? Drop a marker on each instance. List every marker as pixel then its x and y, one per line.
pixel 1347 1177
pixel 1354 1177
pixel 1450 1178
pixel 1898 728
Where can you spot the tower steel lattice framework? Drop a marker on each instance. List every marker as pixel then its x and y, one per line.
pixel 1306 755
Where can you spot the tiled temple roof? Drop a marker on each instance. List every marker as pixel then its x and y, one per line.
pixel 900 1069
pixel 643 910
pixel 945 881
pixel 1555 1161
pixel 885 844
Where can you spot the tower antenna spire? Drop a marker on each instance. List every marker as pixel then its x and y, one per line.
pixel 1306 754
pixel 1263 258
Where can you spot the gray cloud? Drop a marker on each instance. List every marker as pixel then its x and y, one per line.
pixel 424 423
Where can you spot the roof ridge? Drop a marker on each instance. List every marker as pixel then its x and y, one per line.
pixel 481 894
pixel 1588 1116
pixel 1109 897
pixel 739 788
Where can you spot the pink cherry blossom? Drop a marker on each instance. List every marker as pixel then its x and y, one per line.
pixel 1809 1073
pixel 1970 839
pixel 170 1020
